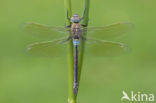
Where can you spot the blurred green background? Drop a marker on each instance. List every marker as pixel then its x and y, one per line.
pixel 25 79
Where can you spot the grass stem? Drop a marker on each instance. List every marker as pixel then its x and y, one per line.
pixel 68 14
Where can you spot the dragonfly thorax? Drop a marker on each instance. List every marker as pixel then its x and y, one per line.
pixel 75 18
pixel 76 30
pixel 76 33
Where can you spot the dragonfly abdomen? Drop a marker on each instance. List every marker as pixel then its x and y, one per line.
pixel 75 86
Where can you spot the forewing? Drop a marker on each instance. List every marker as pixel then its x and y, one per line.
pixel 44 31
pixel 109 31
pixel 106 48
pixel 47 49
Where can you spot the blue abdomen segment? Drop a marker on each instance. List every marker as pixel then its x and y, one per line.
pixel 76 42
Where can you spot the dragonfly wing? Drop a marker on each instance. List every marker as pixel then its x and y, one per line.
pixel 106 48
pixel 44 30
pixel 109 31
pixel 47 49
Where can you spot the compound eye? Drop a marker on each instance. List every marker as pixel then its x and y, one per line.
pixel 72 19
pixel 76 15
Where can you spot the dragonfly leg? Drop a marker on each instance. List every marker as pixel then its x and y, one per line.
pixel 83 14
pixel 68 18
pixel 68 15
pixel 65 40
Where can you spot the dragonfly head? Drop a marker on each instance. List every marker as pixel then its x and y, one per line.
pixel 75 18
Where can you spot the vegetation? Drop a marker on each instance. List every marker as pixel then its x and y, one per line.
pixel 68 14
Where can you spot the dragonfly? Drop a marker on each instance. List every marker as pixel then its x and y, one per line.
pixel 96 40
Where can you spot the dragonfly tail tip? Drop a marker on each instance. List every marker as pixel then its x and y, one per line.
pixel 75 90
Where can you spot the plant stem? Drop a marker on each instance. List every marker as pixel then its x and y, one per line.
pixel 71 96
pixel 86 13
pixel 82 45
pixel 68 13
